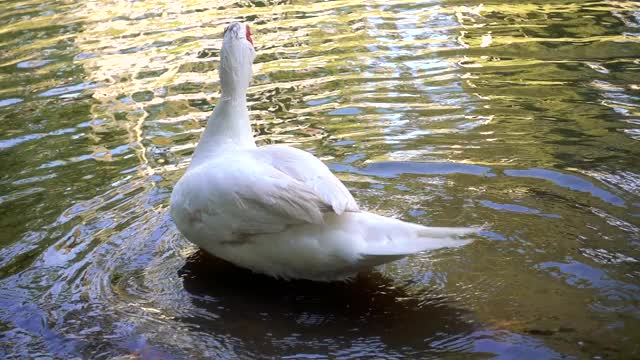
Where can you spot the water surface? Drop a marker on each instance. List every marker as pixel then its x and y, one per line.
pixel 525 117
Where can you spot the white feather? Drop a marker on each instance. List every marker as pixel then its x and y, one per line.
pixel 276 209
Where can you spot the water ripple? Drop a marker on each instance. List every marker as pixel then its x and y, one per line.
pixel 523 116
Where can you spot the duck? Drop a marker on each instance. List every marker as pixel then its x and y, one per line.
pixel 278 210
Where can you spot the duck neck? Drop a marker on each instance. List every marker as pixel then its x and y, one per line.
pixel 228 128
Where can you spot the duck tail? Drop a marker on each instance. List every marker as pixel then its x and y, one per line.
pixel 390 239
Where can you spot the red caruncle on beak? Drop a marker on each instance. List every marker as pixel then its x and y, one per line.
pixel 249 35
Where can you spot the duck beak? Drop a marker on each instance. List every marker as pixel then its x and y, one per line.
pixel 249 35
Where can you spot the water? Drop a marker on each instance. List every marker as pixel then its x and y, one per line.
pixel 522 116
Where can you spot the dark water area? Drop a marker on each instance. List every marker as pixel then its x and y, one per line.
pixel 523 116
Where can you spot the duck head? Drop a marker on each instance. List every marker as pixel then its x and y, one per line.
pixel 236 59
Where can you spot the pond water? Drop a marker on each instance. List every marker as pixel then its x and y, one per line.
pixel 525 117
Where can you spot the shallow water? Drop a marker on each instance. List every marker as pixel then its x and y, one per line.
pixel 522 116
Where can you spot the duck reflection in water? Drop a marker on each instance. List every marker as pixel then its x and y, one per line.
pixel 369 309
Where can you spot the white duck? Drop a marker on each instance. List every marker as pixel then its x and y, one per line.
pixel 279 210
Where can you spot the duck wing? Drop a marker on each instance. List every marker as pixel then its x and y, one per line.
pixel 257 191
pixel 310 171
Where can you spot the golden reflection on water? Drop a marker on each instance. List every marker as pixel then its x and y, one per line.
pixel 522 116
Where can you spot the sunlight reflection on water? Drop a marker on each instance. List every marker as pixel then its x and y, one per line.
pixel 523 117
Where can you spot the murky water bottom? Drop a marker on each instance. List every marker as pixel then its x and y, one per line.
pixel 521 116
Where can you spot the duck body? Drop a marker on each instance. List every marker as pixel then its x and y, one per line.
pixel 278 210
pixel 256 208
